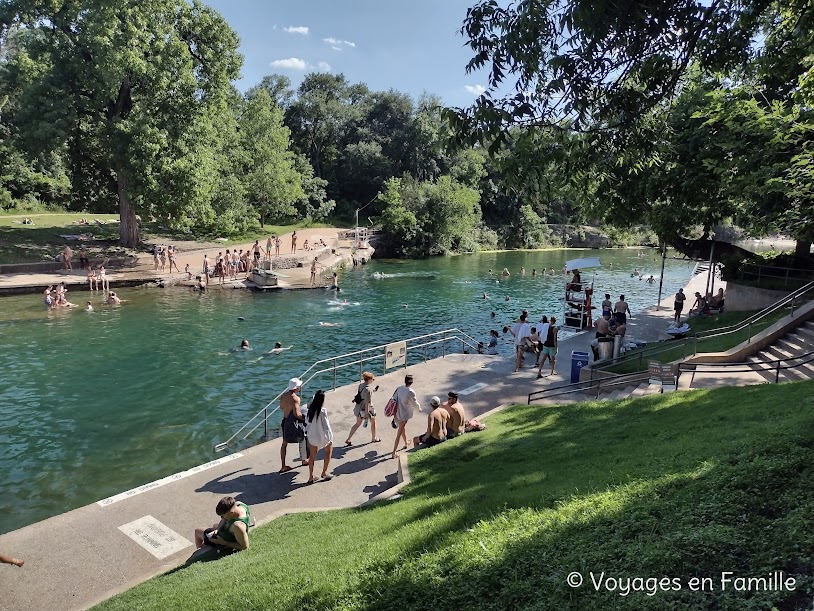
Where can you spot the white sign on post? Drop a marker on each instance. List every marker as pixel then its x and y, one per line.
pixel 395 355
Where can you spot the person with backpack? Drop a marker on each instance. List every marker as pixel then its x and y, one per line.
pixel 406 404
pixel 363 408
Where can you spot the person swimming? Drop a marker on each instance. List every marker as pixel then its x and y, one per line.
pixel 244 345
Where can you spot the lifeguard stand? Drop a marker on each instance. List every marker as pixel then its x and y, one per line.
pixel 578 295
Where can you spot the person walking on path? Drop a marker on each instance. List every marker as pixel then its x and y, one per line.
pixel 521 331
pixel 292 416
pixel 320 436
pixel 363 408
pixel 294 242
pixel 406 404
pixel 549 347
pixel 622 310
pixel 679 304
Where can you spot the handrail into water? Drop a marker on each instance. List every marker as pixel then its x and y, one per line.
pixel 594 385
pixel 744 324
pixel 376 353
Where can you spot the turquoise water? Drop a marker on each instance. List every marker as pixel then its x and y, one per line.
pixel 94 403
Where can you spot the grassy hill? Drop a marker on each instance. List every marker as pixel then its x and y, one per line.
pixel 685 485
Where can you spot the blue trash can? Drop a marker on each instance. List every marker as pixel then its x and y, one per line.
pixel 578 361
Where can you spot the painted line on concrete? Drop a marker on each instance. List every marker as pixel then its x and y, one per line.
pixel 166 480
pixel 473 388
pixel 158 539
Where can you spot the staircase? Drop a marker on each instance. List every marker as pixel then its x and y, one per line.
pixel 792 345
pixel 632 390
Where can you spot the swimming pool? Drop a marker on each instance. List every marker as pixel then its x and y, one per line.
pixel 93 403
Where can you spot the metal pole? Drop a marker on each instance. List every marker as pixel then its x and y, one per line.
pixel 334 388
pixel 777 373
pixel 266 423
pixel 444 346
pixel 711 254
pixel 661 278
pixel 749 339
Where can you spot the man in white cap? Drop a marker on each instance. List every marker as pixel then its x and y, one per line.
pixel 436 426
pixel 292 432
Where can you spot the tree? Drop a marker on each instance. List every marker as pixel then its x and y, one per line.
pixel 124 86
pixel 273 183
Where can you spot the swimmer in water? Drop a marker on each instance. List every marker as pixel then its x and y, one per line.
pixel 404 305
pixel 507 298
pixel 485 296
pixel 330 324
pixel 244 345
pixel 89 307
pixel 113 299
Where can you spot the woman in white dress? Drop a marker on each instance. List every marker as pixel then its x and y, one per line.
pixel 320 436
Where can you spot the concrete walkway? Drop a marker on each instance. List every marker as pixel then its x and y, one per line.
pixel 79 558
pixel 143 271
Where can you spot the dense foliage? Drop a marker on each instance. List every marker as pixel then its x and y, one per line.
pixel 681 115
pixel 131 108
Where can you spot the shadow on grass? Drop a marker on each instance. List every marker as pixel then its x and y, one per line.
pixel 678 486
pixel 683 485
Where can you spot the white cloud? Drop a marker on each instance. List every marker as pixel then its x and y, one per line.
pixel 297 29
pixel 292 63
pixel 475 89
pixel 295 63
pixel 336 43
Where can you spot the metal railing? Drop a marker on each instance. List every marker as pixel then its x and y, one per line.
pixel 778 278
pixel 336 365
pixel 756 366
pixel 643 355
pixel 594 386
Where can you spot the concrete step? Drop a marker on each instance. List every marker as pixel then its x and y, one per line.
pixel 795 373
pixel 794 344
pixel 763 370
pixel 805 333
pixel 643 389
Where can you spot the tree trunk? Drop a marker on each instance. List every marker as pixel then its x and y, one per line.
pixel 128 225
pixel 802 248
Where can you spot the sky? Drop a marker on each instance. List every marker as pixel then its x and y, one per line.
pixel 412 46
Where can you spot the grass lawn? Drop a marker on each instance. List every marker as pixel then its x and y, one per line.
pixel 42 241
pixel 710 344
pixel 680 485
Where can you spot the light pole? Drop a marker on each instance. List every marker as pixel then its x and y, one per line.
pixel 356 241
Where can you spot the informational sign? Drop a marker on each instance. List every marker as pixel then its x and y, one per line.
pixel 395 355
pixel 152 535
pixel 474 388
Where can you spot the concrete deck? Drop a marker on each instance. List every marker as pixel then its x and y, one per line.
pixel 143 271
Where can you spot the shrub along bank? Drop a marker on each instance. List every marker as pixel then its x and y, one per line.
pixel 683 486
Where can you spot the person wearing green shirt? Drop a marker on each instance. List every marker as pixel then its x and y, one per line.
pixel 232 532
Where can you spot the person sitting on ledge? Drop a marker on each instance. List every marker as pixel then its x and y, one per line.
pixel 231 534
pixel 437 421
pixel 575 284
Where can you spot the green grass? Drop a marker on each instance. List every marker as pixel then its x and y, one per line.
pixel 681 485
pixel 711 344
pixel 41 241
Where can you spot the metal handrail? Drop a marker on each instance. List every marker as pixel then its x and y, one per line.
pixel 772 364
pixel 729 329
pixel 362 356
pixel 595 385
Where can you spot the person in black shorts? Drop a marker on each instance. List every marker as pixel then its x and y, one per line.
pixel 679 304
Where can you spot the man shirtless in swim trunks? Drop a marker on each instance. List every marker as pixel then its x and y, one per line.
pixel 67 255
pixel 290 404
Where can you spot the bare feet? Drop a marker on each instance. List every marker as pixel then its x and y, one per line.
pixel 348 443
pixel 285 469
pixel 326 477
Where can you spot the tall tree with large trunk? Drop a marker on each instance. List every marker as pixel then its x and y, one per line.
pixel 122 84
